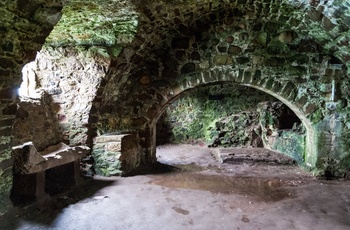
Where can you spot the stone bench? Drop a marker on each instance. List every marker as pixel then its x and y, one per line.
pixel 30 167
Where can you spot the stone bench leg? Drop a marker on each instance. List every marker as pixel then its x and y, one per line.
pixel 40 193
pixel 77 177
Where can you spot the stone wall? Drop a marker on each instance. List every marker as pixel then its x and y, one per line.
pixel 281 130
pixel 289 50
pixel 71 78
pixel 197 114
pixel 24 27
pixel 36 121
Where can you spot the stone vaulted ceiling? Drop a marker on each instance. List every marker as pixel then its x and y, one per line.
pixel 115 23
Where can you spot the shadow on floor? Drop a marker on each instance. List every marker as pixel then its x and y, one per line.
pixel 160 168
pixel 45 212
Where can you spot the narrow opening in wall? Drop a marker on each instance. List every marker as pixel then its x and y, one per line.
pixel 28 88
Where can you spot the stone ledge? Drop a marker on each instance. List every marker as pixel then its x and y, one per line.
pixel 28 160
pixel 251 156
pixel 110 138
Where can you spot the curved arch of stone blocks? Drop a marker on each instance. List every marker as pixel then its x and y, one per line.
pixel 285 93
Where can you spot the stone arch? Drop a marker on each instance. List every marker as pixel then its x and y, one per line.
pixel 280 52
pixel 176 92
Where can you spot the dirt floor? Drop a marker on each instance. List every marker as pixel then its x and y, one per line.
pixel 203 189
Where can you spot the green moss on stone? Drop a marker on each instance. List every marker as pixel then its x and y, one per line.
pixel 292 144
pixel 5 188
pixel 316 116
pixel 106 163
pixel 195 115
pixel 103 23
pixel 276 47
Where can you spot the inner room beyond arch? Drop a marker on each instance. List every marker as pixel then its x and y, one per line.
pixel 229 115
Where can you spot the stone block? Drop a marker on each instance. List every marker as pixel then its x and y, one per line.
pixel 327 24
pixel 247 77
pixel 6 63
pixel 234 50
pixel 240 75
pixel 242 60
pixel 195 56
pixel 293 94
pixel 7 93
pixel 262 82
pixel 229 39
pixel 256 77
pixel 206 77
pixel 6 131
pixel 310 108
pixel 180 43
pixel 222 60
pixel 287 89
pixel 315 15
pixel 113 146
pixel 188 68
pixel 204 64
pixel 10 109
pixel 258 60
pixel 269 84
pixel 145 80
pixel 222 49
pixel 108 138
pixel 276 87
pixel 301 101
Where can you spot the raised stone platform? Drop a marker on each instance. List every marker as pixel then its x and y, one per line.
pixel 251 156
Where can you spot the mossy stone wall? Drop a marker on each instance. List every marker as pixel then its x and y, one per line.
pixel 194 116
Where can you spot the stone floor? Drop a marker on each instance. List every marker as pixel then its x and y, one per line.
pixel 199 191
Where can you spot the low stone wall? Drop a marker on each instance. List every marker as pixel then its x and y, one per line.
pixel 116 154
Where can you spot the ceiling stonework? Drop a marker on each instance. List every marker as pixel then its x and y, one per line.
pixel 100 22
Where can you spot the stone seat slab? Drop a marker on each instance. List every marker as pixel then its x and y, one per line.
pixel 28 160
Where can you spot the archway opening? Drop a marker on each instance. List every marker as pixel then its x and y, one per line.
pixel 227 115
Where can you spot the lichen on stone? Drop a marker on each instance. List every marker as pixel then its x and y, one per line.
pixel 105 23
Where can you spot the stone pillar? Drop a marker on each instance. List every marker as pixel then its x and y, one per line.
pixel 328 134
pixel 77 177
pixel 148 144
